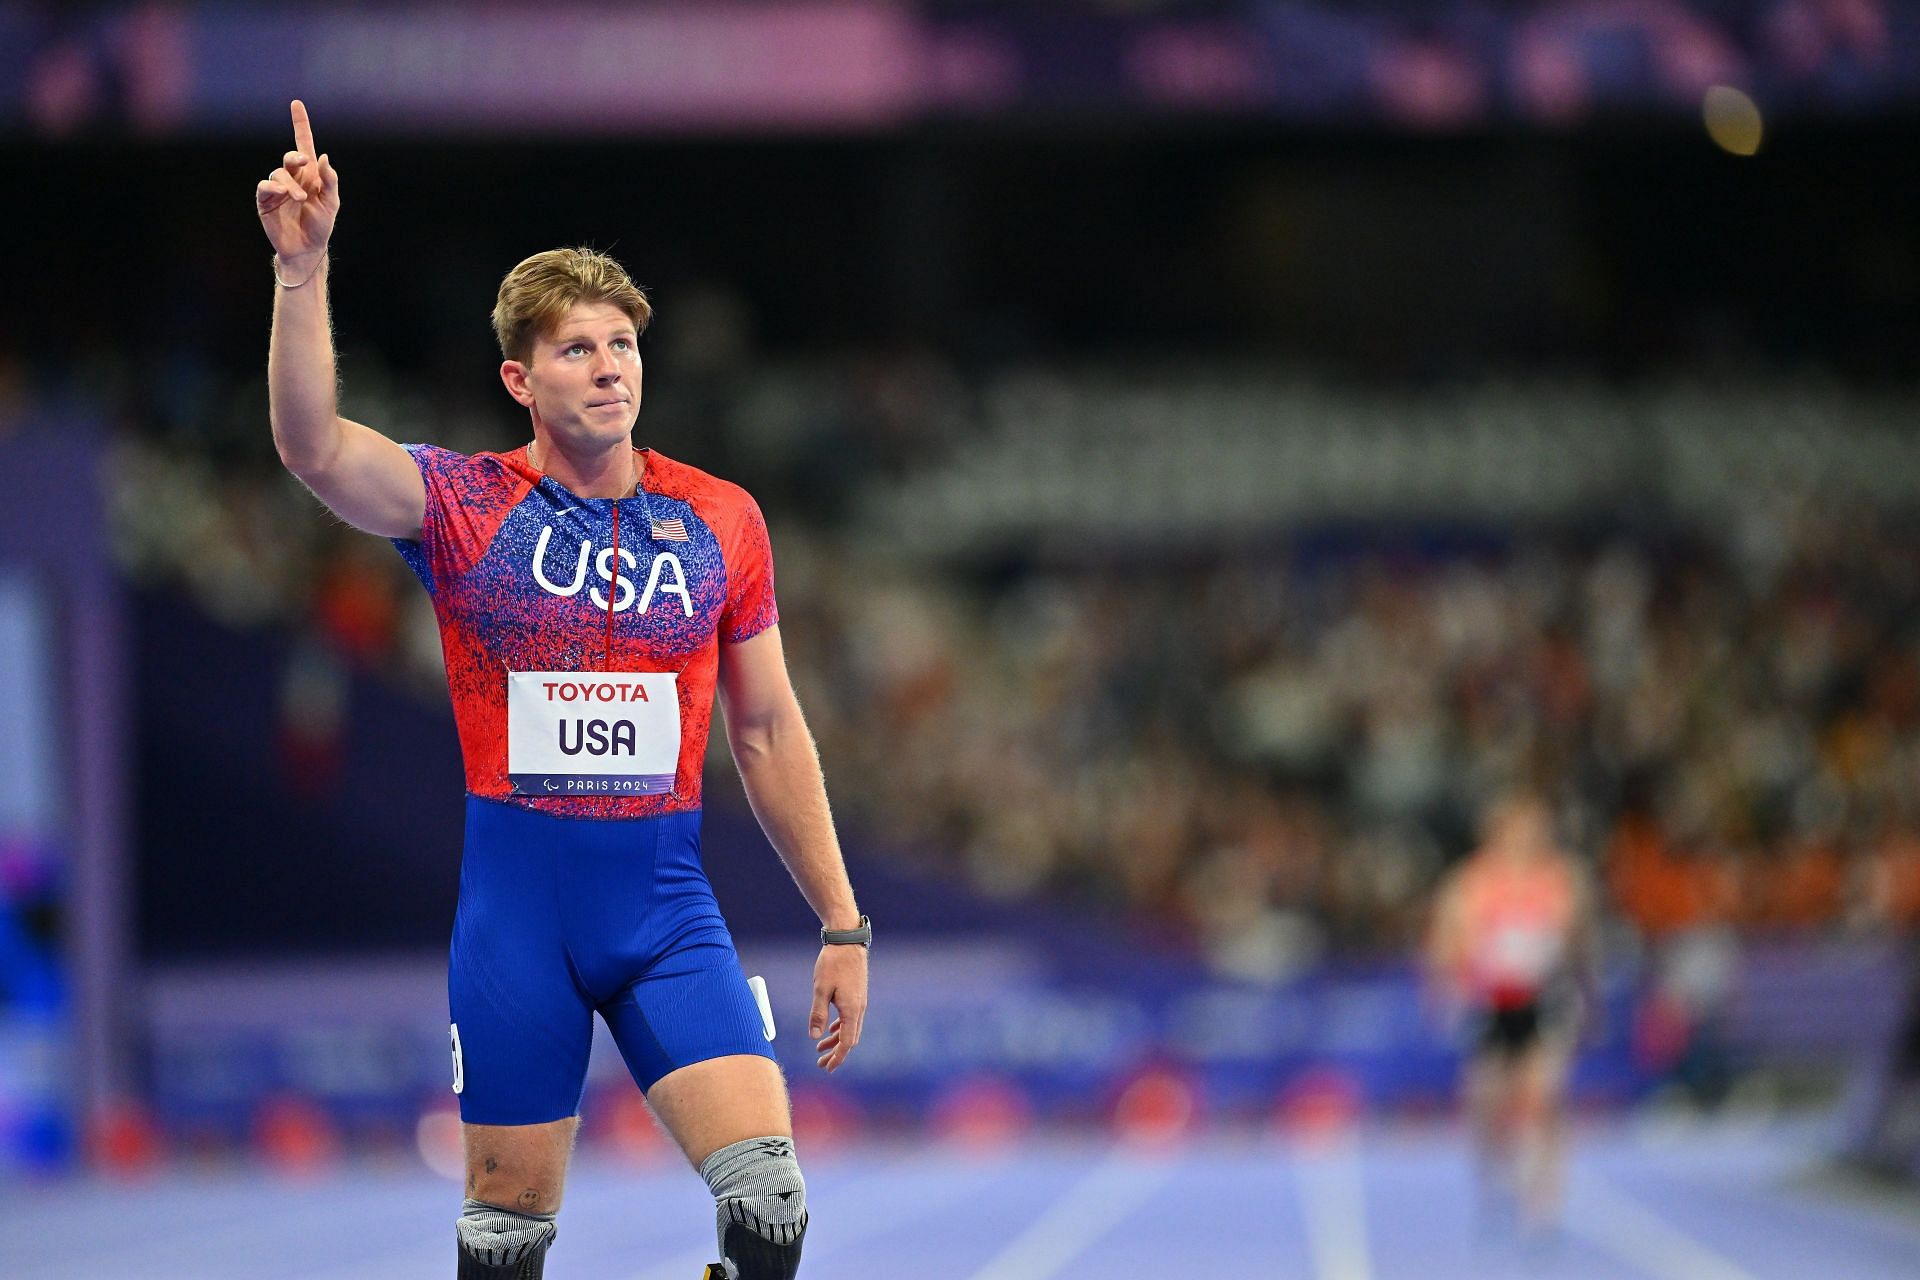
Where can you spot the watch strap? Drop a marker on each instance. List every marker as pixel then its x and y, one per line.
pixel 859 937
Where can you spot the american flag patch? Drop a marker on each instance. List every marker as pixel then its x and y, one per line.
pixel 670 531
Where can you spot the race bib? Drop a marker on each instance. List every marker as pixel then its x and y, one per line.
pixel 593 732
pixel 1522 953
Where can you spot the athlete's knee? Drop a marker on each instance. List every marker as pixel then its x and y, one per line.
pixel 1536 1103
pixel 760 1207
pixel 502 1244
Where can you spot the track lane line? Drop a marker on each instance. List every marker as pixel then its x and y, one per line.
pixel 853 1192
pixel 1090 1208
pixel 1333 1200
pixel 1643 1239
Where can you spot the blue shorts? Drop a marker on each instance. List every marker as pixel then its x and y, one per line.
pixel 562 918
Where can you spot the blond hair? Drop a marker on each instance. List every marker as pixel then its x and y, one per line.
pixel 536 296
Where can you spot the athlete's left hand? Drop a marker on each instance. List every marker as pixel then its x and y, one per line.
pixel 839 980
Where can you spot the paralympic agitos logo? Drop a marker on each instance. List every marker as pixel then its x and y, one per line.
pixel 667 577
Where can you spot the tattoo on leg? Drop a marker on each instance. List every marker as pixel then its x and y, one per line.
pixel 528 1199
pixel 493 1166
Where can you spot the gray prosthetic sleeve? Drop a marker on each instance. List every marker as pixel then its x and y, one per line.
pixel 502 1244
pixel 760 1207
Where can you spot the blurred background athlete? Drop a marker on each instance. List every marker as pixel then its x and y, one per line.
pixel 1512 952
pixel 589 597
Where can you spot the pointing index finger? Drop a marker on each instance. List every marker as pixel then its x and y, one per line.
pixel 302 130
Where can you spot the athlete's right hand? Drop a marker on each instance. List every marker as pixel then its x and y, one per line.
pixel 299 201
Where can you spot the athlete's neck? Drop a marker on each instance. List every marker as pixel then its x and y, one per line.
pixel 611 473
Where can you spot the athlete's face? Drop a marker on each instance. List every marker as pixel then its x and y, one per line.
pixel 1521 830
pixel 583 380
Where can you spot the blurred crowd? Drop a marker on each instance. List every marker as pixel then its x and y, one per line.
pixel 1268 746
pixel 1279 754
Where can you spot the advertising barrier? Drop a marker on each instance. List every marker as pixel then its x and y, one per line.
pixel 367 1042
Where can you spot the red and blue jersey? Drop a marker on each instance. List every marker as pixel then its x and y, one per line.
pixel 582 635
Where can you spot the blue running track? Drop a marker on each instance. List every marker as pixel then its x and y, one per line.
pixel 1674 1204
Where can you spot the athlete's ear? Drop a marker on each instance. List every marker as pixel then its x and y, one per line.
pixel 514 375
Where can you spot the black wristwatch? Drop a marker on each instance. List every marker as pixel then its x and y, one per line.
pixel 861 937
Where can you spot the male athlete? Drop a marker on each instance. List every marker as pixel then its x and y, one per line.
pixel 1513 948
pixel 589 595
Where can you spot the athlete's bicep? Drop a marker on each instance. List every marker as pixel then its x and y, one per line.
pixel 755 690
pixel 371 483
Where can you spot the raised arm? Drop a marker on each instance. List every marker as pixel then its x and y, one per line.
pixel 781 772
pixel 363 477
